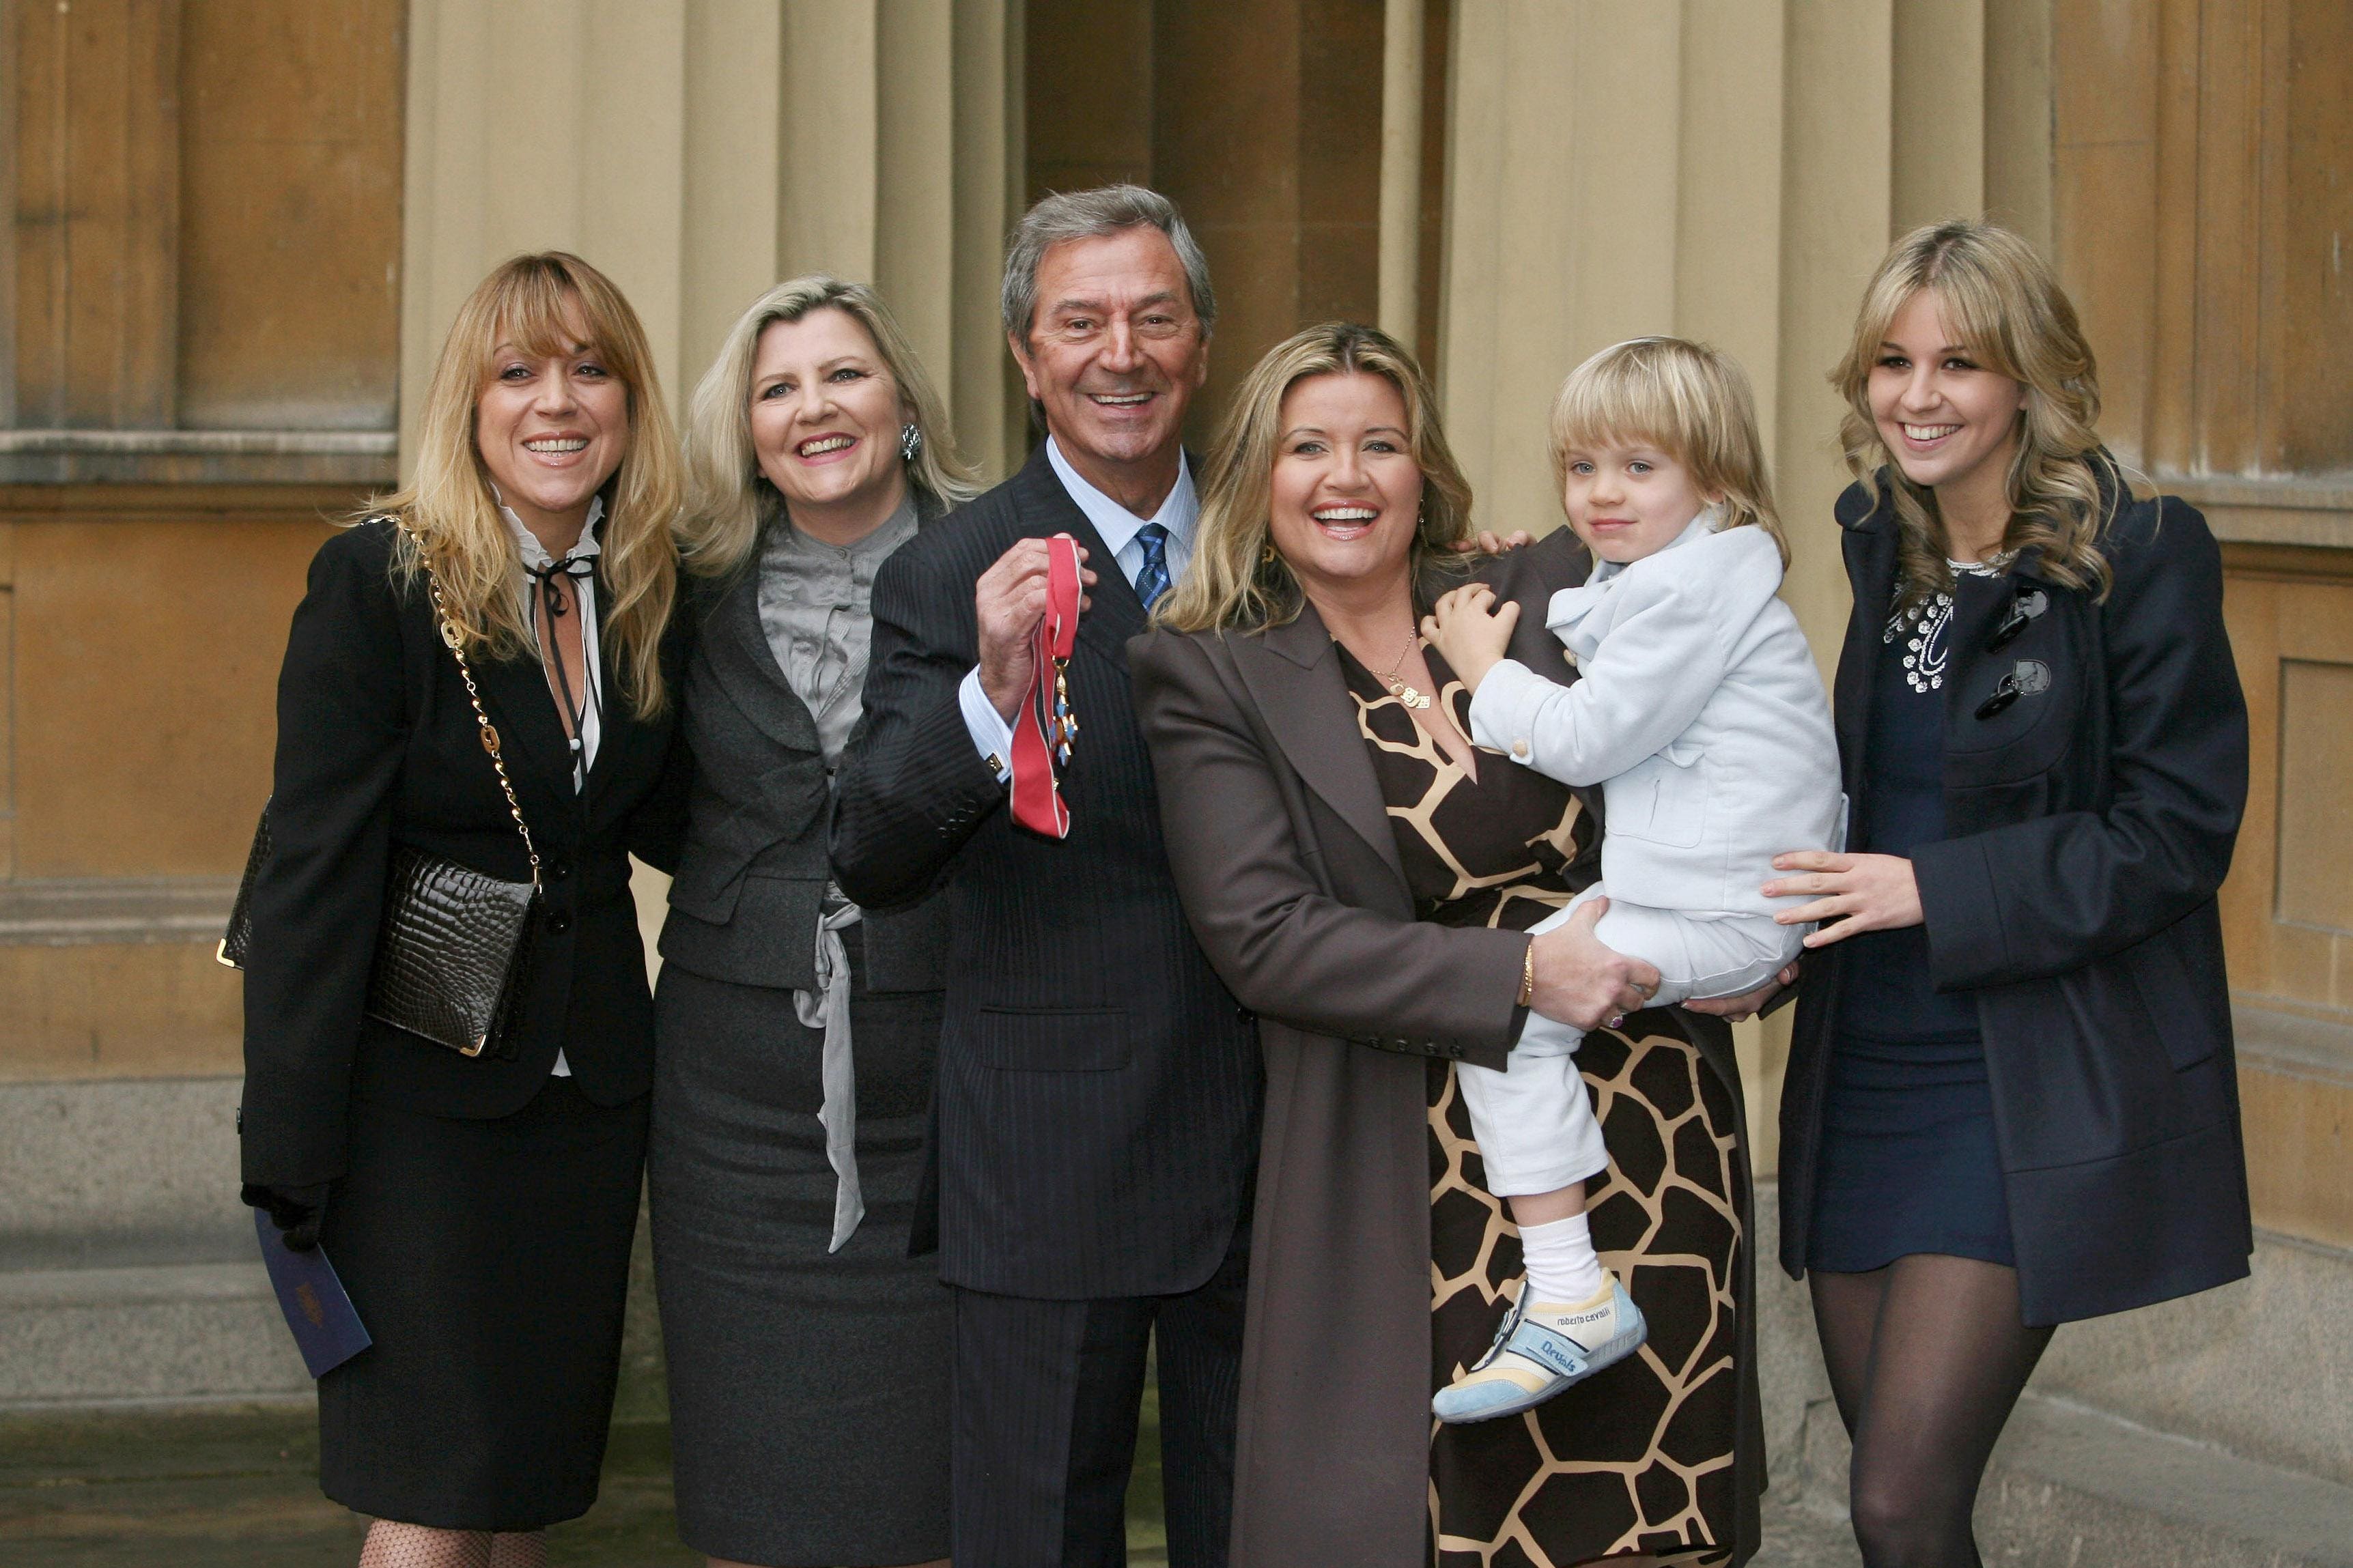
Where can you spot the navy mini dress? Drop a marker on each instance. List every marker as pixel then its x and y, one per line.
pixel 1908 1159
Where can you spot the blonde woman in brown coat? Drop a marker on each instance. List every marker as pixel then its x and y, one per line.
pixel 1361 876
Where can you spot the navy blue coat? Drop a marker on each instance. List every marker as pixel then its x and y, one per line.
pixel 2090 823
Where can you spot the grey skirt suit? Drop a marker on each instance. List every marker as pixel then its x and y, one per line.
pixel 808 1388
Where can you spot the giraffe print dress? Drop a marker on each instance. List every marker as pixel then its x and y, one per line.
pixel 1638 1460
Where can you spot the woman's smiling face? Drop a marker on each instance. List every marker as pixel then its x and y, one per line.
pixel 826 412
pixel 1346 492
pixel 1944 416
pixel 552 429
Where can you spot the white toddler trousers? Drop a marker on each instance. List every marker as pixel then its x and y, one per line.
pixel 1533 1120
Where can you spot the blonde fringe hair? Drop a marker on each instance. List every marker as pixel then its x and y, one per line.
pixel 728 500
pixel 1237 579
pixel 537 303
pixel 1687 399
pixel 1997 297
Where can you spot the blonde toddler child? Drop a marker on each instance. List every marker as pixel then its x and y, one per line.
pixel 1700 712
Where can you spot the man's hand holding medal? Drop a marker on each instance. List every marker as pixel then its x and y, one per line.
pixel 1028 606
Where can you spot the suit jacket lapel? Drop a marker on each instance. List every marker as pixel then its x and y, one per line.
pixel 621 732
pixel 1871 561
pixel 531 741
pixel 745 663
pixel 1115 613
pixel 1294 676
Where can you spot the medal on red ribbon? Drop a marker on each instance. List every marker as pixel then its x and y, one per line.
pixel 1045 726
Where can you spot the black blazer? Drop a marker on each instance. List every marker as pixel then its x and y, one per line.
pixel 1097 1108
pixel 744 903
pixel 2089 826
pixel 378 746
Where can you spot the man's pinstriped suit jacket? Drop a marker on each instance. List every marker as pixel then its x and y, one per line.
pixel 1095 1124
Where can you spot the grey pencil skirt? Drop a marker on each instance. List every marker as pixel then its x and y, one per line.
pixel 808 1391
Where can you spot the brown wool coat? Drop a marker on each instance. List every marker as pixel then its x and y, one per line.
pixel 1284 854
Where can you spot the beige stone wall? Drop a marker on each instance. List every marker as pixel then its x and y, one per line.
pixel 1729 170
pixel 1265 121
pixel 144 625
pixel 199 285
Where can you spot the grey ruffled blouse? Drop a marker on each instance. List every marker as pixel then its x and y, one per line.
pixel 817 608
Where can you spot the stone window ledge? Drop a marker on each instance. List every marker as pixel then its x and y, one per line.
pixel 84 910
pixel 198 456
pixel 2310 511
pixel 2294 1038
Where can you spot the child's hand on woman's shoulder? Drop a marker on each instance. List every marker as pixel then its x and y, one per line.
pixel 1490 543
pixel 1471 631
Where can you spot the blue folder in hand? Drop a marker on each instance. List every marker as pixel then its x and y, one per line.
pixel 327 1329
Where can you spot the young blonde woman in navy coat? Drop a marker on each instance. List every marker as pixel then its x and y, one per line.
pixel 2011 1101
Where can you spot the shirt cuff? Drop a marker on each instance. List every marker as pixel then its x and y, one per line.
pixel 992 737
pixel 1503 710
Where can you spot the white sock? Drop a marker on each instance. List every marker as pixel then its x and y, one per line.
pixel 1561 1266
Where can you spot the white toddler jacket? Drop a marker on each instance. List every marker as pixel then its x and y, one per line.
pixel 1699 711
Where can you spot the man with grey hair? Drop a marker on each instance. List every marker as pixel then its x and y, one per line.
pixel 1095 1118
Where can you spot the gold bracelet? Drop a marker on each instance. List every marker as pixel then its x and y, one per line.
pixel 1528 975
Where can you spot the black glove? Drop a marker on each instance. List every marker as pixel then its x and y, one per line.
pixel 297 1211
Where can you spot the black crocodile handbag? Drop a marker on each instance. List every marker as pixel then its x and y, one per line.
pixel 453 948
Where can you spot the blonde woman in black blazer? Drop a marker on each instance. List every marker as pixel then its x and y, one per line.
pixel 479 1209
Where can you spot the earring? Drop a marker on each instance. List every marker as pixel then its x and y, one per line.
pixel 1266 557
pixel 911 441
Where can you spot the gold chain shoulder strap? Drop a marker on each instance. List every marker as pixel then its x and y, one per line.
pixel 453 639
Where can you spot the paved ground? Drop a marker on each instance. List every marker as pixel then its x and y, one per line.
pixel 236 1489
pixel 213 1489
pixel 1796 1538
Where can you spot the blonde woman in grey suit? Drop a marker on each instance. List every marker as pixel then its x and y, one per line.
pixel 797 1032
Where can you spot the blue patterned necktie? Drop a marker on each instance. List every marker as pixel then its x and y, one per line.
pixel 1153 580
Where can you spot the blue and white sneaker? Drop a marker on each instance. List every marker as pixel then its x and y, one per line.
pixel 1542 1348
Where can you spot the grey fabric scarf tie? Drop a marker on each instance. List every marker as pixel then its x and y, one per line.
pixel 827 1008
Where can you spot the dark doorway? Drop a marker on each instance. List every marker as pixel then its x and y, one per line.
pixel 1260 118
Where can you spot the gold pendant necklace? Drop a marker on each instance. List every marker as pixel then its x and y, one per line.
pixel 1400 689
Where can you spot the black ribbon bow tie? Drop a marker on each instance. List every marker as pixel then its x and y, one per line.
pixel 546 577
pixel 552 600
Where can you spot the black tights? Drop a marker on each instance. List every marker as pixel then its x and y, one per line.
pixel 1926 1357
pixel 391 1544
